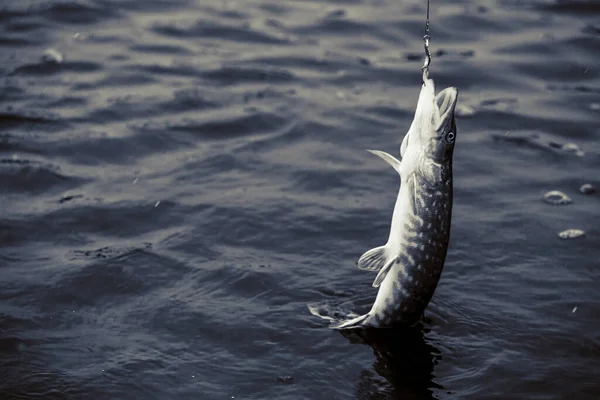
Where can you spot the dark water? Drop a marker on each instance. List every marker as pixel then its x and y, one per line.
pixel 191 174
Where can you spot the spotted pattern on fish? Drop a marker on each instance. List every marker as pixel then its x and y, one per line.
pixel 421 256
pixel 410 263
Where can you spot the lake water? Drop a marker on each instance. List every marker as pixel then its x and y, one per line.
pixel 180 178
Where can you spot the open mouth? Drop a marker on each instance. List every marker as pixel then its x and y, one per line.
pixel 445 102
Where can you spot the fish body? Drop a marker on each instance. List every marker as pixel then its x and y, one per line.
pixel 411 262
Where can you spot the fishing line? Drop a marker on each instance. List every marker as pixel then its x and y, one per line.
pixel 426 38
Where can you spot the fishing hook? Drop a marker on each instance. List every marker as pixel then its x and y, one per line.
pixel 426 38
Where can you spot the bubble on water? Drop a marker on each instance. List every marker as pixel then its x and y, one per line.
pixel 52 56
pixel 557 198
pixel 571 234
pixel 573 148
pixel 587 188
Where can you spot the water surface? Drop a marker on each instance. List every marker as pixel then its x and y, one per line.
pixel 178 179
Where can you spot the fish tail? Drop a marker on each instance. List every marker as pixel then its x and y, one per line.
pixel 337 316
pixel 357 322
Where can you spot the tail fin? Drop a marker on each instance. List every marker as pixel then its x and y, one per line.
pixel 352 323
pixel 338 317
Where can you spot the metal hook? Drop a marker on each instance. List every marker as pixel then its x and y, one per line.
pixel 426 38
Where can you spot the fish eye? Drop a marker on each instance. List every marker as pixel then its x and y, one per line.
pixel 450 137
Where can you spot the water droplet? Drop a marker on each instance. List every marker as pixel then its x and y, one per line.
pixel 571 234
pixel 157 203
pixel 556 197
pixel 574 309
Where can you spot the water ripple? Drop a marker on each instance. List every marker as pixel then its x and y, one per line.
pixel 180 178
pixel 213 30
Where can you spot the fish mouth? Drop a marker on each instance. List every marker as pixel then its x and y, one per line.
pixel 445 103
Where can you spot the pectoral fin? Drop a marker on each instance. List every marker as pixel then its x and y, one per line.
pixel 388 158
pixel 374 259
pixel 384 271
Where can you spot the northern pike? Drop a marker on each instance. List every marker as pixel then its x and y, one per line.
pixel 411 262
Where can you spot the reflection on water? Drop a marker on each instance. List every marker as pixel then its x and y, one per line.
pixel 403 357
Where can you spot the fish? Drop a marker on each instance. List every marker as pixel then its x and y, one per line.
pixel 410 264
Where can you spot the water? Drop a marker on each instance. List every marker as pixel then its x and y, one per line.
pixel 191 174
